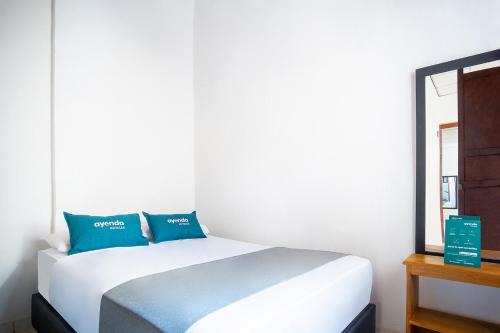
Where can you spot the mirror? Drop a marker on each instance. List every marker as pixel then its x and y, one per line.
pixel 458 150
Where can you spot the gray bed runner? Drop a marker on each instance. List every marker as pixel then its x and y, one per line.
pixel 174 300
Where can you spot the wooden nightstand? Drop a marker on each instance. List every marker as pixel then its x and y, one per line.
pixel 425 320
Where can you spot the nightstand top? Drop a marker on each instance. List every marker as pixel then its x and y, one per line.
pixel 434 266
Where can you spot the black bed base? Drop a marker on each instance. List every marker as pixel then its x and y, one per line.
pixel 364 321
pixel 45 319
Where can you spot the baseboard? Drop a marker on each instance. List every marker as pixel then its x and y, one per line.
pixel 385 330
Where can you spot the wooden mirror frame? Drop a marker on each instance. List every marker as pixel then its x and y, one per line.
pixel 420 75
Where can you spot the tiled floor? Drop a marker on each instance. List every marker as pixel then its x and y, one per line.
pixel 21 326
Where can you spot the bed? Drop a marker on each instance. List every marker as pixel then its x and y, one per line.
pixel 203 285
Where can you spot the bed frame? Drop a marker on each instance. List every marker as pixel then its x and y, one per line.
pixel 45 319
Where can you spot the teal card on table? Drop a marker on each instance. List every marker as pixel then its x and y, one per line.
pixel 462 241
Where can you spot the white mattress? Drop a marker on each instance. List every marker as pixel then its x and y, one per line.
pixel 46 260
pixel 325 299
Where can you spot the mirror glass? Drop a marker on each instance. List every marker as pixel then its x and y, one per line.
pixel 462 110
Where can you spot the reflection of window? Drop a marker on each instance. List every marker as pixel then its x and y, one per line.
pixel 449 192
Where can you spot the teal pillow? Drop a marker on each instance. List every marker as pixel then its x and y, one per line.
pixel 168 227
pixel 89 233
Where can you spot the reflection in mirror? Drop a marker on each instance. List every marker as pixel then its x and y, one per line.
pixel 441 153
pixel 449 194
pixel 463 152
pixel 448 146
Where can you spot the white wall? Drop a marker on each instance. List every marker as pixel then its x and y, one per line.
pixel 124 106
pixel 24 148
pixel 123 120
pixel 282 89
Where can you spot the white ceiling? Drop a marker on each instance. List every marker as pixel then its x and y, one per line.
pixel 445 83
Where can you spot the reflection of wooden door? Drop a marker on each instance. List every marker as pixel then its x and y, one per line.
pixel 479 151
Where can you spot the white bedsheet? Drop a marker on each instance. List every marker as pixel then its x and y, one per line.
pixel 323 300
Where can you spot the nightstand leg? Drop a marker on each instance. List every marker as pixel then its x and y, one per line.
pixel 411 297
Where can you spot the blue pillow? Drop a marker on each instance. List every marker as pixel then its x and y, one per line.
pixel 89 233
pixel 168 227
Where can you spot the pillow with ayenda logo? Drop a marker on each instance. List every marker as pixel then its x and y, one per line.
pixel 87 232
pixel 168 227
